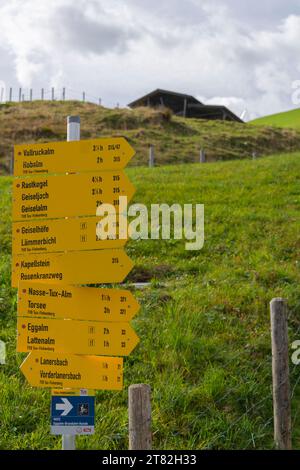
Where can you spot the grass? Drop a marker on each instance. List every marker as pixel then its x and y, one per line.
pixel 176 140
pixel 204 322
pixel 288 119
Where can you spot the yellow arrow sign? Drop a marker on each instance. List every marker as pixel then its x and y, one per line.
pixel 76 303
pixel 71 392
pixel 73 234
pixel 68 195
pixel 75 337
pixel 61 157
pixel 72 371
pixel 74 267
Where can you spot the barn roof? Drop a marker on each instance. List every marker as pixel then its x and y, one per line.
pixel 159 92
pixel 184 105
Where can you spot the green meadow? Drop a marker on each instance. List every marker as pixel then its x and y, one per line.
pixel 204 322
pixel 288 119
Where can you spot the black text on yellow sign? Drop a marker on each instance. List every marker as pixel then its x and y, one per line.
pixel 77 303
pixel 44 369
pixel 71 234
pixel 74 267
pixel 68 195
pixel 79 156
pixel 75 337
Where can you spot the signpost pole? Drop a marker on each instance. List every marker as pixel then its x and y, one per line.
pixel 73 133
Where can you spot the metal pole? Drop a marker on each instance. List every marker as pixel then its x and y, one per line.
pixel 73 133
pixel 10 94
pixel 20 94
pixel 42 94
pixel 64 94
pixel 52 93
pixel 83 96
pixel 30 94
pixel 2 94
pixel 73 128
pixel 99 101
pixel 280 371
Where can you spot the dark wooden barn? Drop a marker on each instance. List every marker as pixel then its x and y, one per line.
pixel 184 105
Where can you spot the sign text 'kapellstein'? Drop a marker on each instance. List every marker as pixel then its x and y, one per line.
pixel 156 223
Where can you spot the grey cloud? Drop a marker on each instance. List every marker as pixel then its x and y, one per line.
pixel 80 33
pixel 261 14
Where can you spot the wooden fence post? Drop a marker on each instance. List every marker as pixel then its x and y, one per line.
pixel 139 411
pixel 280 370
pixel 202 156
pixel 151 156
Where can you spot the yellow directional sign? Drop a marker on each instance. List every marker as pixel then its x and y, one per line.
pixel 68 195
pixel 76 303
pixel 75 337
pixel 43 369
pixel 79 156
pixel 74 267
pixel 70 392
pixel 71 234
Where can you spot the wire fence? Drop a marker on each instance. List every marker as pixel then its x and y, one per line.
pixel 19 94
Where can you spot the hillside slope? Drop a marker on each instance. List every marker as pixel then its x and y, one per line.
pixel 288 119
pixel 176 140
pixel 204 323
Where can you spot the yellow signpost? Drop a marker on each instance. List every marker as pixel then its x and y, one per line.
pixel 78 156
pixel 75 337
pixel 72 234
pixel 56 244
pixel 76 303
pixel 68 195
pixel 74 267
pixel 44 369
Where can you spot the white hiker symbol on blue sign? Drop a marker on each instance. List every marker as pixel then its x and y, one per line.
pixel 72 415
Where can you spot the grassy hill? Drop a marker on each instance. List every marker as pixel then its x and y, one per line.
pixel 176 140
pixel 204 322
pixel 288 119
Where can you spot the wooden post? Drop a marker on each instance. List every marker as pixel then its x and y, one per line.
pixel 151 156
pixel 202 156
pixel 184 107
pixel 280 369
pixel 139 411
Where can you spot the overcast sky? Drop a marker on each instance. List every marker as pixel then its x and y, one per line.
pixel 241 53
